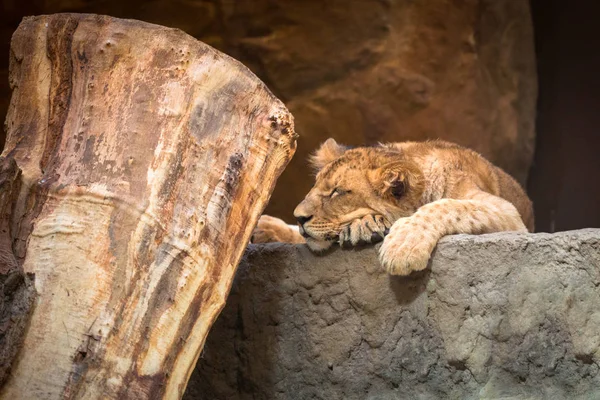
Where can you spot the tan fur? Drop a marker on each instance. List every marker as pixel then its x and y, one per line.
pixel 419 191
pixel 270 229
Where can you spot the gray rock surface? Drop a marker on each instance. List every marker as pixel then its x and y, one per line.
pixel 495 316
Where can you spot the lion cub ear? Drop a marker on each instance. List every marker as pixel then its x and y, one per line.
pixel 392 179
pixel 329 151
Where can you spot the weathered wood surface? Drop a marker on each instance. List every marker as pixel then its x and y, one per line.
pixel 146 159
pixel 16 288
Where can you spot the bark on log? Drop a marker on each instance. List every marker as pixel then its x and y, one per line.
pixel 146 159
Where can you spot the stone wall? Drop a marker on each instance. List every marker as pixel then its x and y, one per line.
pixel 495 316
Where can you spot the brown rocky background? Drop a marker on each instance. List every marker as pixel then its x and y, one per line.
pixel 362 71
pixel 368 71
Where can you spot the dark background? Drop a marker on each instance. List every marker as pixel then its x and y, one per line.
pixel 564 181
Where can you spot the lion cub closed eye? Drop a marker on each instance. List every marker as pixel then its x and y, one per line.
pixel 407 194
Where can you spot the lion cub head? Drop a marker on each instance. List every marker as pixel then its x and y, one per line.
pixel 354 183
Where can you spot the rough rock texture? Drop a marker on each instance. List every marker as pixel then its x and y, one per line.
pixel 496 316
pixel 367 71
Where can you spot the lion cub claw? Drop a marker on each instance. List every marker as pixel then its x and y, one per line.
pixel 368 229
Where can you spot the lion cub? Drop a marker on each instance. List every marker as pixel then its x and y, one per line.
pixel 407 194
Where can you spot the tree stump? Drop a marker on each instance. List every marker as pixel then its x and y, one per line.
pixel 146 158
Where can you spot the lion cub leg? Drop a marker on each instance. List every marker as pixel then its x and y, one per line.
pixel 270 229
pixel 411 240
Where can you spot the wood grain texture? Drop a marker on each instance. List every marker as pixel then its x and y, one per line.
pixel 17 293
pixel 146 159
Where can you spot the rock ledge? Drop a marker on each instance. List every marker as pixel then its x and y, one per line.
pixel 495 316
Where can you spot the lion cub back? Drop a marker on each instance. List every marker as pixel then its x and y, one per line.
pixel 450 169
pixel 511 190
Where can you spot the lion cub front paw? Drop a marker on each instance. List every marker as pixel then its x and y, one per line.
pixel 270 229
pixel 368 229
pixel 406 248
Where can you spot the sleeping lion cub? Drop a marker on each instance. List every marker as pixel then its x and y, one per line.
pixel 407 194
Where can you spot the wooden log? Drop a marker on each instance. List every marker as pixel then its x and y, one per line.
pixel 147 158
pixel 16 288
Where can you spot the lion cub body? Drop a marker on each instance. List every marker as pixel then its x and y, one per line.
pixel 409 194
pixel 452 171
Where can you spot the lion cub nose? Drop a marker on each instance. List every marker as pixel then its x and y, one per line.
pixel 302 214
pixel 302 219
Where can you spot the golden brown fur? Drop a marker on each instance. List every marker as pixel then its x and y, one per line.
pixel 270 229
pixel 413 193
